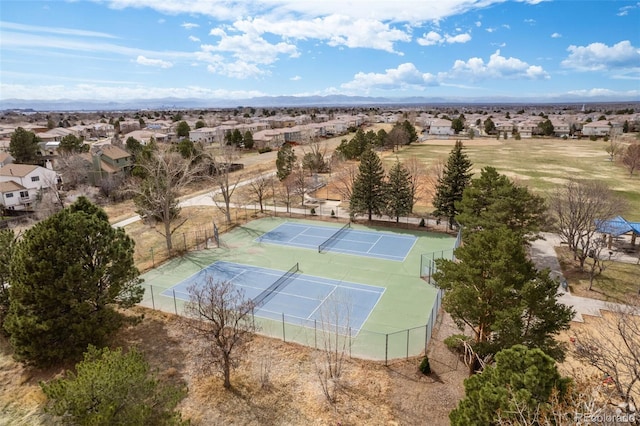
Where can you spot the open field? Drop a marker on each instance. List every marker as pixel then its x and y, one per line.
pixel 371 394
pixel 541 164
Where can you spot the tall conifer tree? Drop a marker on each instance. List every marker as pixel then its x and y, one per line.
pixel 455 178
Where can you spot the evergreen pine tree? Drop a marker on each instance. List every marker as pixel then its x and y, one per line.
pixel 399 194
pixel 368 194
pixel 68 273
pixel 284 161
pixel 455 178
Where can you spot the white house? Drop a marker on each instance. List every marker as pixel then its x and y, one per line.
pixel 204 135
pixel 21 183
pixel 438 126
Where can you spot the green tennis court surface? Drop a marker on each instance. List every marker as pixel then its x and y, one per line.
pixel 396 325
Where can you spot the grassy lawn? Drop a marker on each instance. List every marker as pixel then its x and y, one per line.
pixel 618 282
pixel 541 164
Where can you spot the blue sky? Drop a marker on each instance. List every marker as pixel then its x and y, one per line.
pixel 146 49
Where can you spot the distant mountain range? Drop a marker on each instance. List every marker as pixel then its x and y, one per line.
pixel 283 102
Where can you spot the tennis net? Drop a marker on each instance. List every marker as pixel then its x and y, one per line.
pixel 267 294
pixel 334 237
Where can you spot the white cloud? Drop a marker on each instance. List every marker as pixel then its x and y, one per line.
pixel 53 30
pixel 189 25
pixel 490 30
pixel 629 94
pixel 194 38
pixel 478 24
pixel 405 77
pixel 296 78
pixel 432 38
pixel 556 35
pixel 153 62
pixel 385 11
pixel 335 30
pixel 497 67
pixel 250 47
pixel 599 56
pixel 530 21
pixel 624 10
pixel 125 92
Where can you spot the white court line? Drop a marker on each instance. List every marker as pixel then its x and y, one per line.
pixel 372 309
pixel 322 302
pixel 374 244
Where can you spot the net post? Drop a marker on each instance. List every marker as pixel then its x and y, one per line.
pixel 153 302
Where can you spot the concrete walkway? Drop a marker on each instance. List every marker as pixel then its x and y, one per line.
pixel 544 256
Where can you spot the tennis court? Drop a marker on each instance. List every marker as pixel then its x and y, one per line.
pixel 381 245
pixel 303 298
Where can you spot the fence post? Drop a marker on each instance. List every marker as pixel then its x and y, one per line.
pixel 350 343
pixel 426 335
pixel 175 303
pixel 184 240
pixel 153 262
pixel 284 337
pixel 315 333
pixel 386 349
pixel 153 302
pixel 407 343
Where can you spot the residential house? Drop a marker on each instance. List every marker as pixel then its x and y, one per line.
pixel 20 184
pixel 108 161
pixel 561 128
pixel 204 135
pixel 596 128
pixel 439 126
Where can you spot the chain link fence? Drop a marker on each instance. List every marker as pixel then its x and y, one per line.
pixel 364 344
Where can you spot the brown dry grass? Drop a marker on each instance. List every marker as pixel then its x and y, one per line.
pixel 372 394
pixel 617 283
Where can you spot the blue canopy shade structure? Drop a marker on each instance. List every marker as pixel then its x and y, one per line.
pixel 617 226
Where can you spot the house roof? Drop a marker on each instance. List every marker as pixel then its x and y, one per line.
pixel 4 156
pixel 19 170
pixel 114 152
pixel 10 187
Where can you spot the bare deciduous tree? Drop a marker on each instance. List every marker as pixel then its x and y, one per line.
pixel 260 186
pixel 220 318
pixel 335 337
pixel 631 158
pixel 614 149
pixel 418 175
pixel 313 157
pixel 344 178
pixel 74 170
pixel 434 174
pixel 578 207
pixel 613 347
pixel 225 182
pixel 156 195
pixel 285 190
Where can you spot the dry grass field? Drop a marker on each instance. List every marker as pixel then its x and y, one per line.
pixel 370 394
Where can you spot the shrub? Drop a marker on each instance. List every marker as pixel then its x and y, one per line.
pixel 265 149
pixel 313 211
pixel 593 138
pixel 455 342
pixel 425 368
pixel 517 136
pixel 422 224
pixel 333 214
